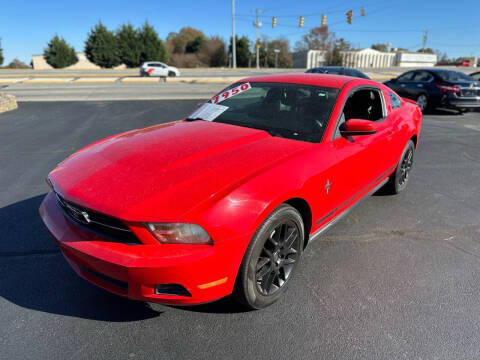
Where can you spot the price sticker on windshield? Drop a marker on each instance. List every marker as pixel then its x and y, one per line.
pixel 232 92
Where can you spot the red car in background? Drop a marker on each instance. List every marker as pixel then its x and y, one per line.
pixel 226 200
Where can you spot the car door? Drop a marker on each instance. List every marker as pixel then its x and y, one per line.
pixel 362 161
pixel 420 84
pixel 402 84
pixel 159 69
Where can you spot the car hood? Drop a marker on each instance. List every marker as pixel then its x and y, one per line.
pixel 161 172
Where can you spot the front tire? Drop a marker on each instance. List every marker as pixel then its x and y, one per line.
pixel 399 179
pixel 271 259
pixel 171 74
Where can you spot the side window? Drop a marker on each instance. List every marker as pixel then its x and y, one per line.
pixel 395 100
pixel 422 76
pixel 406 77
pixel 366 104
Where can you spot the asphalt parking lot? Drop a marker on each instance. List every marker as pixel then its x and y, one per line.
pixel 398 278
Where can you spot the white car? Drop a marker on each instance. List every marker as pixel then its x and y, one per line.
pixel 157 68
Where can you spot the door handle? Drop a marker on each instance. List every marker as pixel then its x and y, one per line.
pixel 420 85
pixel 402 85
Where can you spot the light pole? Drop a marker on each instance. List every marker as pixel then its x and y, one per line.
pixel 257 23
pixel 234 43
pixel 276 51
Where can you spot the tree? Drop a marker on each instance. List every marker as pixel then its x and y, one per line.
pixel 1 53
pixel 379 47
pixel 59 54
pixel 318 38
pixel 101 47
pixel 194 45
pixel 212 52
pixel 334 57
pixel 267 53
pixel 242 46
pixel 129 45
pixel 343 45
pixel 426 51
pixel 178 41
pixel 17 64
pixel 152 47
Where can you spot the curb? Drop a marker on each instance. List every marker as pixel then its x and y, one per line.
pixel 47 80
pixel 7 103
pixel 96 80
pixel 136 79
pixel 12 80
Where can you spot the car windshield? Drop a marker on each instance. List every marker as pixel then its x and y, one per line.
pixel 292 111
pixel 451 75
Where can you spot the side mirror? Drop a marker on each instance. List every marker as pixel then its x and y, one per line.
pixel 354 127
pixel 393 80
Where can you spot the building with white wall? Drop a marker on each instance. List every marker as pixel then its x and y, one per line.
pixel 365 58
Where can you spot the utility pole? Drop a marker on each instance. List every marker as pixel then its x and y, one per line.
pixel 425 37
pixel 234 42
pixel 257 23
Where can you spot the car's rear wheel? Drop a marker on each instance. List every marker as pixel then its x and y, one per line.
pixel 271 259
pixel 399 179
pixel 422 102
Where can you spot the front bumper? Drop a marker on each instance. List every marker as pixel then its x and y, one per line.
pixel 207 272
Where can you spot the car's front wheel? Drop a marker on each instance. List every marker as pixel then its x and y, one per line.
pixel 271 259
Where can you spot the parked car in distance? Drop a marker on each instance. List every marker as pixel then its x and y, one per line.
pixel 157 68
pixel 476 76
pixel 226 200
pixel 432 88
pixel 338 70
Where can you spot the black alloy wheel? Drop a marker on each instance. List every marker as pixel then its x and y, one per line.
pixel 271 258
pixel 406 166
pixel 277 258
pixel 399 179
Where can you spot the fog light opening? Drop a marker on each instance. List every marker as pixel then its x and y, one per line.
pixel 171 289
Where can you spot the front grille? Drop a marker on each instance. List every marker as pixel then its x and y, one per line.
pixel 100 224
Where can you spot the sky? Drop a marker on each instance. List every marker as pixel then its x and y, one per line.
pixel 453 26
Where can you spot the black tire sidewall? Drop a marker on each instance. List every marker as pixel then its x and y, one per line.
pixel 399 188
pixel 246 288
pixel 427 102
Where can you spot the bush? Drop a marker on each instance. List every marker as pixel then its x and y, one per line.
pixel 59 54
pixel 152 47
pixel 17 64
pixel 101 47
pixel 129 45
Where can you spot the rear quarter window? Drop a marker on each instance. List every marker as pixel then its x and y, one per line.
pixel 394 100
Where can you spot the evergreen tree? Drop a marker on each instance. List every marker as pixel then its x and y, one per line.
pixel 1 53
pixel 129 45
pixel 242 48
pixel 59 54
pixel 152 47
pixel 194 45
pixel 101 47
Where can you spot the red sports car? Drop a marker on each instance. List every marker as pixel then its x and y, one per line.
pixel 226 200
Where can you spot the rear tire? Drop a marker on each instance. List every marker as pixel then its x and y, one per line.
pixel 399 179
pixel 271 259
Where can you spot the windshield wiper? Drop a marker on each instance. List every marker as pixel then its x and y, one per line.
pixel 193 119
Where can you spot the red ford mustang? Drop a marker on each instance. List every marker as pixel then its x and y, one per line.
pixel 226 200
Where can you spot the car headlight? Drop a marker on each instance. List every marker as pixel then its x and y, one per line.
pixel 179 233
